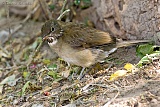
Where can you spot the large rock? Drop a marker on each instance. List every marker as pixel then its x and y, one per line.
pixel 128 19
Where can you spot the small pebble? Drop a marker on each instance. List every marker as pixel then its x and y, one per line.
pixel 15 102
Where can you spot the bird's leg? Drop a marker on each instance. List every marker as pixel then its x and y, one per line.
pixel 89 69
pixel 110 65
pixel 69 65
pixel 112 50
pixel 81 74
pixel 107 53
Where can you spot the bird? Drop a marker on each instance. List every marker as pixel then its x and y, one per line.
pixel 80 45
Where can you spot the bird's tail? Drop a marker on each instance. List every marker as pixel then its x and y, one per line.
pixel 130 43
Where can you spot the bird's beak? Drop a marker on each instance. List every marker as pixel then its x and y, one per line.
pixel 45 38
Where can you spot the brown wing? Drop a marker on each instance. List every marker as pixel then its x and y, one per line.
pixel 79 35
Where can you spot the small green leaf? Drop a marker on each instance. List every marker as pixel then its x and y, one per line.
pixel 52 67
pixel 143 61
pixel 26 74
pixel 87 1
pixel 46 61
pixel 144 49
pixel 26 55
pixel 77 2
pixel 36 43
pixel 53 74
pixel 86 4
pixel 25 87
pixel 52 7
pixel 149 58
pixel 11 81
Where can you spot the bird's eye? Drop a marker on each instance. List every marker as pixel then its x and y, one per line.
pixel 52 29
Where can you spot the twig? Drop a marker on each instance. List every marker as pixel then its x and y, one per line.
pixel 20 26
pixel 100 85
pixel 24 21
pixel 86 86
pixel 13 67
pixel 27 17
pixel 109 102
pixel 4 50
pixel 64 4
pixel 45 10
pixel 64 13
pixel 10 35
pixel 8 21
pixel 35 53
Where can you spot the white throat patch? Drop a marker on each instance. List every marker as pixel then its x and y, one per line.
pixel 53 42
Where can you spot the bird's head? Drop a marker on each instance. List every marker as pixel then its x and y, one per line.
pixel 51 31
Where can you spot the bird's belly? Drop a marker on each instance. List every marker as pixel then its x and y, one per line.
pixel 81 58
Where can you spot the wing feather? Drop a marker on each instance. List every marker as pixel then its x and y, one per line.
pixel 78 35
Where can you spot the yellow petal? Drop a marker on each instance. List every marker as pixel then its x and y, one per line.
pixel 118 74
pixel 129 67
